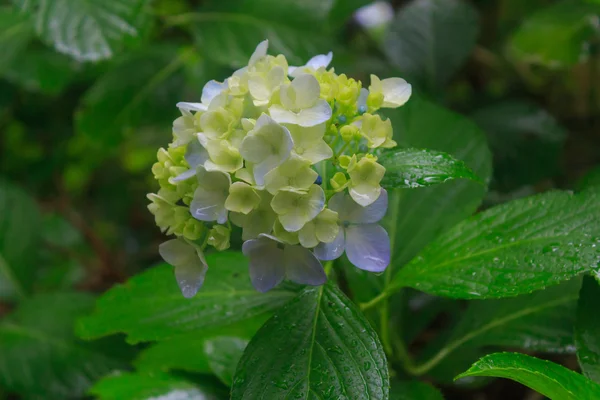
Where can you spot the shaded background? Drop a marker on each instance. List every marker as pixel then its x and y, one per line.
pixel 88 93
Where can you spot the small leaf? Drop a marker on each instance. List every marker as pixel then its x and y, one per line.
pixel 19 237
pixel 150 305
pixel 101 26
pixel 429 40
pixel 146 386
pixel 223 353
pixel 587 329
pixel 39 355
pixel 413 390
pixel 318 346
pixel 511 249
pixel 15 33
pixel 526 141
pixel 412 168
pixel 557 36
pixel 551 380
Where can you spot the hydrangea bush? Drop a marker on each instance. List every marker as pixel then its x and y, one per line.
pixel 288 154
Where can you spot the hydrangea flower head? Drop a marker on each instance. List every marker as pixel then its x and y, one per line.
pixel 289 155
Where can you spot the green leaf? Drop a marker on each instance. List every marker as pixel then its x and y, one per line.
pixel 39 355
pixel 147 386
pixel 526 141
pixel 551 380
pixel 139 91
pixel 229 36
pixel 413 168
pixel 87 30
pixel 174 353
pixel 223 354
pixel 43 70
pixel 557 36
pixel 343 9
pixel 429 40
pixel 591 178
pixel 150 305
pixel 15 33
pixel 511 249
pixel 317 346
pixel 422 124
pixel 587 329
pixel 413 390
pixel 19 237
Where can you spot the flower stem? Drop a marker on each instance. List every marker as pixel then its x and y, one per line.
pixel 374 301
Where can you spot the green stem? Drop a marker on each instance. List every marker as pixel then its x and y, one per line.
pixel 328 267
pixel 374 301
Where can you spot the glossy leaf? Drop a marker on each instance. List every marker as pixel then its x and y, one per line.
pixel 223 353
pixel 557 36
pixel 15 33
pixel 147 386
pixel 511 249
pixel 526 141
pixel 551 380
pixel 317 346
pixel 150 305
pixel 429 40
pixel 139 91
pixel 413 168
pixel 413 390
pixel 101 28
pixel 587 329
pixel 39 355
pixel 19 238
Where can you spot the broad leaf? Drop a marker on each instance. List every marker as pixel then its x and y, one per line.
pixel 87 30
pixel 19 237
pixel 140 91
pixel 526 141
pixel 413 168
pixel 551 380
pixel 223 353
pixel 39 355
pixel 413 390
pixel 174 354
pixel 229 35
pixel 511 249
pixel 317 346
pixel 587 329
pixel 147 386
pixel 15 33
pixel 557 36
pixel 150 305
pixel 592 178
pixel 429 40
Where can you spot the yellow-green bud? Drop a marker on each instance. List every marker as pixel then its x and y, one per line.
pixel 218 237
pixel 349 132
pixel 339 181
pixel 344 161
pixel 193 229
pixel 375 101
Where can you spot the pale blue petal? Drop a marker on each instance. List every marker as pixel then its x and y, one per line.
pixel 211 90
pixel 321 60
pixel 368 247
pixel 189 263
pixel 259 52
pixel 333 250
pixel 195 154
pixel 190 173
pixel 301 266
pixel 208 206
pixel 352 212
pixel 182 105
pixel 265 263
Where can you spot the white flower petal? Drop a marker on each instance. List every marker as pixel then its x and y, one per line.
pixel 350 211
pixel 333 250
pixel 189 263
pixel 321 60
pixel 259 52
pixel 318 152
pixel 265 263
pixel 315 115
pixel 211 90
pixel 368 247
pixel 307 91
pixel 396 92
pixel 185 106
pixel 301 266
pixel 208 203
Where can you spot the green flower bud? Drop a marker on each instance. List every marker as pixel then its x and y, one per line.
pixel 218 237
pixel 339 182
pixel 348 132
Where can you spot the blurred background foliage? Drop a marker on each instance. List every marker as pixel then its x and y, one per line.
pixel 88 92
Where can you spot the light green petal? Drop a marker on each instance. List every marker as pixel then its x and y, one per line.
pixel 294 173
pixel 319 151
pixel 365 194
pixel 305 136
pixel 242 198
pixel 284 201
pixel 315 115
pixel 259 221
pixel 216 124
pixel 396 92
pixel 296 209
pixel 307 91
pixel 307 235
pixel 223 156
pixel 326 225
pixel 287 237
pixel 259 53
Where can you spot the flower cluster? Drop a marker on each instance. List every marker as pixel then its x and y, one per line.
pixel 289 155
